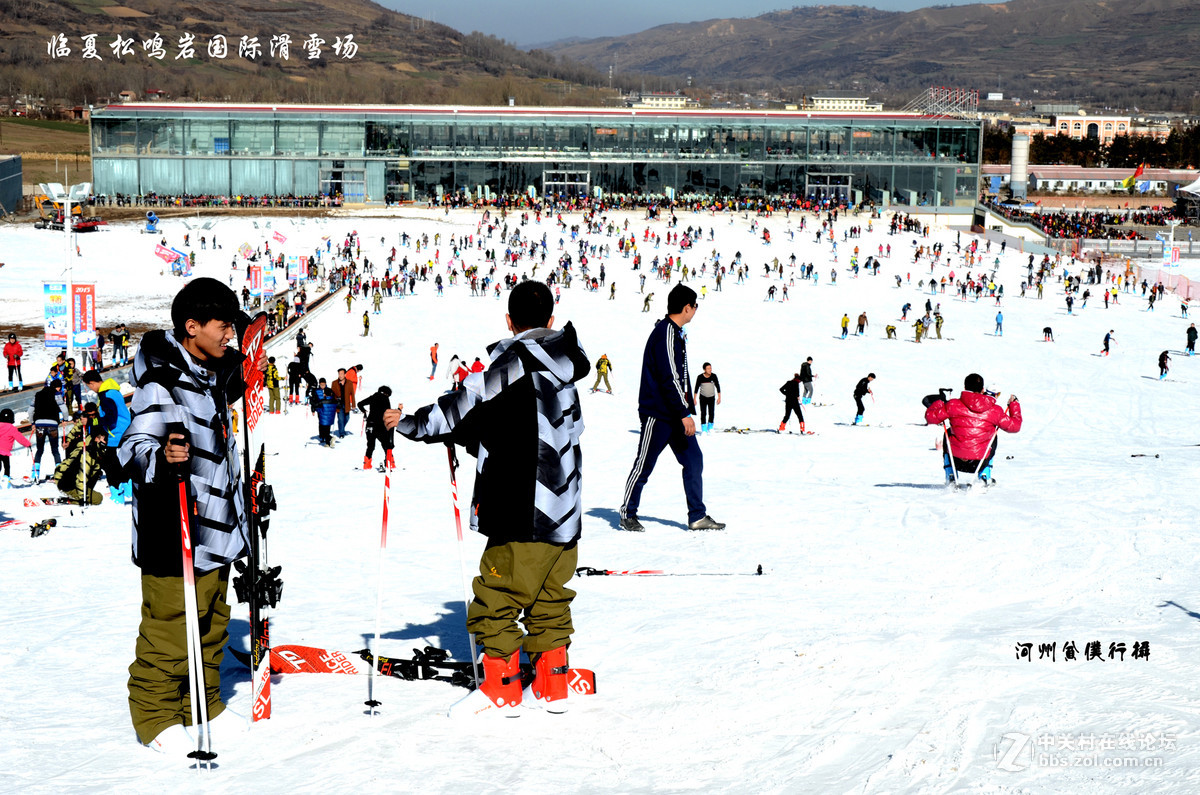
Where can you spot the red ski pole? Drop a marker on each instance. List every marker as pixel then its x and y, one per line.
pixel 371 701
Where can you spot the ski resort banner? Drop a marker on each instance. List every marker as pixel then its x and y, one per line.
pixel 245 250
pixel 268 280
pixel 279 237
pixel 293 268
pixel 165 254
pixel 255 280
pixel 55 306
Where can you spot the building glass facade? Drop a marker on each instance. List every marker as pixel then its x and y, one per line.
pixel 373 153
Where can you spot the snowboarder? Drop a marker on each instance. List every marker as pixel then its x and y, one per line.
pixel 791 402
pixel 861 390
pixel 666 408
pixel 603 366
pixel 708 389
pixel 526 501
pixel 975 419
pixel 191 377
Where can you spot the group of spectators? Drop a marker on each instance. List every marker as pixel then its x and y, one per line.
pixel 210 200
pixel 1092 224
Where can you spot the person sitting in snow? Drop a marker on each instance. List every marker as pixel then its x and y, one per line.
pixel 975 420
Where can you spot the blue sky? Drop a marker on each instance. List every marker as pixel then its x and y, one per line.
pixel 528 22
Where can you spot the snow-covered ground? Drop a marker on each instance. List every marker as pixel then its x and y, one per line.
pixel 878 652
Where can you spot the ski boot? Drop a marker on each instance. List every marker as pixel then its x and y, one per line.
pixel 366 462
pixel 858 419
pixel 498 693
pixel 802 428
pixel 782 427
pixel 548 690
pixel 388 461
pixel 36 475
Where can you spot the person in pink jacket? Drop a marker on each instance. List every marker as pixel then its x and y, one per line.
pixel 975 420
pixel 8 435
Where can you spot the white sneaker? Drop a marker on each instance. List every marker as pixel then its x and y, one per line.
pixel 175 740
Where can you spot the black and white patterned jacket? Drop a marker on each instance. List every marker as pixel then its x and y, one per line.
pixel 176 394
pixel 522 421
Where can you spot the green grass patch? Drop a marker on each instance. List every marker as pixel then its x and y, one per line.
pixel 45 124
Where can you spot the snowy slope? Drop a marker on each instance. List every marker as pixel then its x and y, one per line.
pixel 878 651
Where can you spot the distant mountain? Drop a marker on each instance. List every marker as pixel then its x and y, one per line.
pixel 400 58
pixel 1096 52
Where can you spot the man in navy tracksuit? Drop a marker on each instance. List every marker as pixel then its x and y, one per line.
pixel 666 406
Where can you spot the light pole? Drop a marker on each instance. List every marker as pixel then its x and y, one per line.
pixel 78 192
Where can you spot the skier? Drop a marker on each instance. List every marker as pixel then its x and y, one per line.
pixel 366 324
pixel 791 402
pixel 975 419
pixel 433 354
pixel 526 501
pixel 1164 364
pixel 603 366
pixel 708 389
pixel 189 377
pixel 1191 340
pixel 8 435
pixel 861 390
pixel 12 355
pixel 271 382
pixel 1047 334
pixel 323 403
pixel 999 324
pixel 862 325
pixel 295 372
pixel 1108 339
pixel 665 408
pixel 806 380
pixel 845 325
pixel 891 332
pixel 47 414
pixel 374 407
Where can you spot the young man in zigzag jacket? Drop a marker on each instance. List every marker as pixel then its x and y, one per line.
pixel 666 408
pixel 185 381
pixel 521 419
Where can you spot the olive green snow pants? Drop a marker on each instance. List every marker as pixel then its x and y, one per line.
pixel 158 678
pixel 525 580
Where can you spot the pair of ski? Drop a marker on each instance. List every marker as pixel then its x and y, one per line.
pixel 428 664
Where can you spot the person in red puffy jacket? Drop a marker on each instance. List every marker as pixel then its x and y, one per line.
pixel 12 355
pixel 975 421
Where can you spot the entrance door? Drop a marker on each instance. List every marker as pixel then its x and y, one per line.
pixel 566 183
pixel 350 184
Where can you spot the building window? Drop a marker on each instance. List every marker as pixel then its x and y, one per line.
pixel 1121 127
pixel 1108 125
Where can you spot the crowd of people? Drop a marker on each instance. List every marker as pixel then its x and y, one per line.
pixel 1089 224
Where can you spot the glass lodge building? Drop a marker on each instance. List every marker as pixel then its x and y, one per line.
pixel 371 153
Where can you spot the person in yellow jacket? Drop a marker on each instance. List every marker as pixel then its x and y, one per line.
pixel 603 365
pixel 845 325
pixel 271 382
